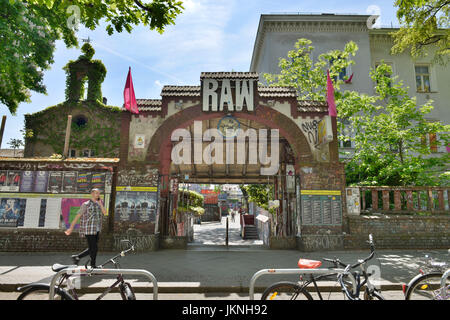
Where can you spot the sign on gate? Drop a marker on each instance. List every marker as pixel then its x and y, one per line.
pixel 321 207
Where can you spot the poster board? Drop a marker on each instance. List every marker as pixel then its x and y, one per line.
pixel 324 131
pixel 321 207
pixel 136 204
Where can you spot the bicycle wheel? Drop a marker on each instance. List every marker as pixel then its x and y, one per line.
pixel 286 291
pixel 40 293
pixel 426 287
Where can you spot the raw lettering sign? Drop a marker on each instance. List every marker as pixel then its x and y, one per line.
pixel 228 94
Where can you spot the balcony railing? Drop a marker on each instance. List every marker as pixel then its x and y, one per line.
pixel 434 200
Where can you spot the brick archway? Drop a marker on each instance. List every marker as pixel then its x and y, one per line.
pixel 160 147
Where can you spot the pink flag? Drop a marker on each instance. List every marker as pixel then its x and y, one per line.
pixel 330 97
pixel 128 95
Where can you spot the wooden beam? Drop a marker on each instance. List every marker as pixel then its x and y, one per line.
pixel 208 124
pixel 2 129
pixel 194 168
pixel 244 169
pixel 67 138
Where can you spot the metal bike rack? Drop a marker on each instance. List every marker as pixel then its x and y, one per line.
pixel 443 281
pixel 84 271
pixel 295 271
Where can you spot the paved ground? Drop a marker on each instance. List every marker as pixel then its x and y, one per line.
pixel 214 233
pixel 208 269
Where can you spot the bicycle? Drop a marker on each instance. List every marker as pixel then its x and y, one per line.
pixel 429 284
pixel 40 291
pixel 299 290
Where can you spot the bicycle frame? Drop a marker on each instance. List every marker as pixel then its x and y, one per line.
pixel 320 271
pixel 355 277
pixel 81 271
pixel 352 296
pixel 120 280
pixel 66 277
pixel 366 282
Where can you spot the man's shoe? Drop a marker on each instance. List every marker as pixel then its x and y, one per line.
pixel 75 259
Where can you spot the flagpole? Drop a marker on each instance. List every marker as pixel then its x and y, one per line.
pixel 332 113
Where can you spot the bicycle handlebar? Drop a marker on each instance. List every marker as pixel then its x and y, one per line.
pixel 336 261
pixel 372 253
pixel 121 254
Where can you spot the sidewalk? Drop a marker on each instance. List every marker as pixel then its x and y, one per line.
pixel 210 269
pixel 213 233
pixel 209 266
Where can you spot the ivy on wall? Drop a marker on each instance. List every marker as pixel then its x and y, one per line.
pixel 95 126
pixel 100 133
pixel 83 70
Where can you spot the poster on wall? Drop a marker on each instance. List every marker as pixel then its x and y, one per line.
pixel 55 182
pixel 26 184
pixel 12 212
pixel 69 209
pixel 84 182
pixel 123 206
pixel 40 181
pixel 321 207
pixel 136 206
pixel 108 182
pixel 98 181
pixel 139 141
pixel 69 184
pixel 14 180
pixel 3 180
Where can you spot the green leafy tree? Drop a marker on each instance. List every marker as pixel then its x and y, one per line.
pixel 388 127
pixel 309 77
pixel 423 23
pixel 389 130
pixel 15 144
pixel 30 28
pixel 260 194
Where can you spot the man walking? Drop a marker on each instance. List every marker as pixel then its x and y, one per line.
pixel 90 216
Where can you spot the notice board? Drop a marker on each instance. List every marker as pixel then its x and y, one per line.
pixel 321 207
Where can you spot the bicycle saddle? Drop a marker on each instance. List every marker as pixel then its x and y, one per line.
pixel 58 267
pixel 309 264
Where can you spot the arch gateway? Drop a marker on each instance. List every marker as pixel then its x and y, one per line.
pixel 230 129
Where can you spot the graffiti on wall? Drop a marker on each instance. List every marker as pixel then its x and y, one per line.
pixel 133 177
pixel 310 128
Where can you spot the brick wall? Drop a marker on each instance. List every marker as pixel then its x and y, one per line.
pixel 39 240
pixel 398 232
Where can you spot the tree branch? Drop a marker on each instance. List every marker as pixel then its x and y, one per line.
pixel 143 7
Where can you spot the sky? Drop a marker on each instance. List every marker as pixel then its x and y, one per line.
pixel 210 35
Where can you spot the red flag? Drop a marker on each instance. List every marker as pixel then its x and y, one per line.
pixel 128 95
pixel 330 97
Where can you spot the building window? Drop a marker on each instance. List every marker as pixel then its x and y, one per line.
pixel 423 78
pixel 86 153
pixel 347 134
pixel 430 140
pixel 80 121
pixel 344 74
